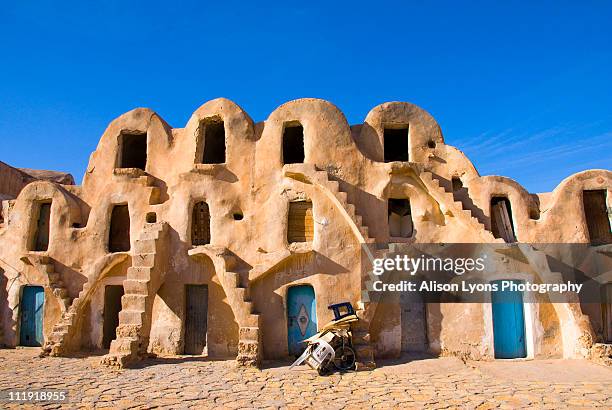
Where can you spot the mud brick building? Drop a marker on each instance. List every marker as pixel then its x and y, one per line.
pixel 230 238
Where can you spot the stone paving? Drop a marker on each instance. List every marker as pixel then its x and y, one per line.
pixel 187 382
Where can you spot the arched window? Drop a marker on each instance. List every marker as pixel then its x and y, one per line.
pixel 200 224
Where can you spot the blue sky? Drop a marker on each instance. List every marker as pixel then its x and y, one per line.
pixel 525 90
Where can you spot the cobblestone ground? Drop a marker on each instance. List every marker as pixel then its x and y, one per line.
pixel 198 383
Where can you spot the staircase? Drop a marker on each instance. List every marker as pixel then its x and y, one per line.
pixel 235 282
pixel 62 337
pixel 310 175
pixel 578 334
pixel 307 173
pixel 45 265
pixel 55 282
pixel 602 353
pixel 144 278
pixel 449 205
pixel 249 337
pixel 57 344
pixel 143 179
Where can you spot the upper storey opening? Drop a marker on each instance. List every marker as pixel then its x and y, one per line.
pixel 132 151
pixel 502 225
pixel 40 240
pixel 597 219
pixel 293 144
pixel 213 138
pixel 396 143
pixel 300 226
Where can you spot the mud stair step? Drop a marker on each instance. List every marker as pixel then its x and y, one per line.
pixel 140 287
pixel 449 204
pixel 309 174
pixel 249 346
pixel 458 203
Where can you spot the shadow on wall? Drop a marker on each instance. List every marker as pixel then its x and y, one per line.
pixel 461 194
pixel 73 279
pixel 367 201
pixel 6 314
pixel 434 320
pixel 302 269
pixel 168 331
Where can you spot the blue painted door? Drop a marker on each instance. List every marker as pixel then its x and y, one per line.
pixel 508 323
pixel 32 303
pixel 301 317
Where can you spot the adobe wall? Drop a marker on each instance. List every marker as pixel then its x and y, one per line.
pixel 254 182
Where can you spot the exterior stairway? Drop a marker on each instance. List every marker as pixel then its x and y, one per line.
pixel 144 278
pixel 62 337
pixel 235 282
pixel 309 174
pixel 361 337
pixel 249 338
pixel 61 328
pixel 55 282
pixel 143 179
pixel 45 265
pixel 576 343
pixel 55 344
pixel 450 206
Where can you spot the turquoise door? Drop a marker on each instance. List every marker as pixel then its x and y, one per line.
pixel 301 317
pixel 31 329
pixel 508 323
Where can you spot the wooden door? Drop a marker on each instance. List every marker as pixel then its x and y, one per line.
pixel 196 318
pixel 501 220
pixel 596 214
pixel 112 307
pixel 31 324
pixel 200 224
pixel 300 227
pixel 301 317
pixel 413 320
pixel 508 324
